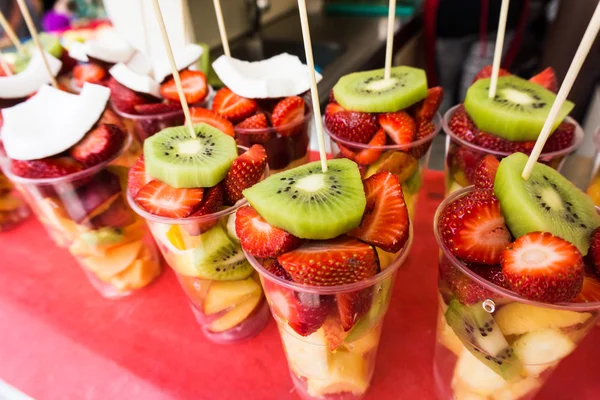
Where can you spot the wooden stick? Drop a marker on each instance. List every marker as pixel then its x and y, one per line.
pixel 5 67
pixel 498 48
pixel 389 47
pixel 176 77
pixel 12 36
pixel 222 31
pixel 310 62
pixel 582 51
pixel 36 39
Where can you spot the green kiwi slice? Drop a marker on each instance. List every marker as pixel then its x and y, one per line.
pixel 50 43
pixel 103 237
pixel 310 203
pixel 368 91
pixel 546 202
pixel 517 112
pixel 175 158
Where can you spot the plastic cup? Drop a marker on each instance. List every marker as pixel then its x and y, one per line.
pixel 87 213
pixel 594 189
pixel 408 162
pixel 456 179
pixel 228 311
pixel 331 363
pixel 540 335
pixel 284 151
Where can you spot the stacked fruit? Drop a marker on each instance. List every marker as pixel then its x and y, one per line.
pixel 52 45
pixel 385 125
pixel 526 241
pixel 314 233
pixel 281 125
pixel 508 123
pixel 186 188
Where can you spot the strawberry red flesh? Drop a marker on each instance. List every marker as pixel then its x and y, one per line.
pixel 123 98
pixel 51 167
pixel 491 273
pixel 212 201
pixel 99 145
pixel 424 130
pixel 462 126
pixel 352 306
pixel 366 156
pixel 496 143
pixel 468 161
pixel 546 79
pixel 245 171
pixel 200 115
pixel 350 125
pixel 195 87
pixel 425 110
pixel 137 177
pixel 464 288
pixel 233 107
pixel 594 252
pixel 399 126
pixel 271 265
pixel 561 138
pixel 486 72
pixel 156 108
pixel 288 111
pixel 161 199
pixel 91 73
pixel 486 172
pixel 257 121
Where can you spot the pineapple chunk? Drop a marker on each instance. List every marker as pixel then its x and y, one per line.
pixel 518 389
pixel 517 318
pixel 348 373
pixel 307 356
pixel 541 350
pixel 476 376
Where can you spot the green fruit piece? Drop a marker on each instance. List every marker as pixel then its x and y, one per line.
pixel 517 112
pixel 381 301
pixel 546 202
pixel 204 61
pixel 102 237
pixel 50 43
pixel 368 91
pixel 180 161
pixel 310 203
pixel 413 184
pixel 224 295
pixel 479 333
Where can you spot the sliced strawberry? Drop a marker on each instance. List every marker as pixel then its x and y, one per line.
pixel 245 171
pixel 594 252
pixel 161 199
pixel 590 292
pixel 462 126
pixel 233 107
pixel 385 221
pixel 350 125
pixel 91 73
pixel 366 156
pixel 542 267
pixel 468 161
pixel 110 118
pixel 331 262
pixel 496 143
pixel 195 87
pixel 424 129
pixel 473 228
pixel 425 110
pixel 546 79
pixel 491 273
pixel 271 265
pixel 156 108
pixel 257 121
pixel 486 172
pixel 486 72
pixel 51 167
pixel 352 306
pixel 99 145
pixel 465 289
pixel 399 126
pixel 212 201
pixel 123 98
pixel 137 177
pixel 561 138
pixel 289 111
pixel 200 115
pixel 255 129
pixel 261 239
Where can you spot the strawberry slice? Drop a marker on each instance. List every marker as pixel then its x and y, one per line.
pixel 561 138
pixel 352 306
pixel 123 98
pixel 350 125
pixel 399 126
pixel 465 289
pixel 51 167
pixel 202 115
pixel 212 201
pixel 257 121
pixel 255 129
pixel 468 161
pixel 424 129
pixel 99 145
pixel 425 110
pixel 491 273
pixel 546 79
pixel 271 265
pixel 161 199
pixel 156 108
pixel 289 111
pixel 486 172
pixel 595 249
pixel 331 262
pixel 590 292
pixel 366 156
pixel 233 107
pixel 542 267
pixel 110 118
pixel 462 126
pixel 195 87
pixel 261 239
pixel 486 72
pixel 385 221
pixel 92 73
pixel 473 228
pixel 245 171
pixel 496 143
pixel 137 177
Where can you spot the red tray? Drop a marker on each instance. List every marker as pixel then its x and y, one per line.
pixel 60 340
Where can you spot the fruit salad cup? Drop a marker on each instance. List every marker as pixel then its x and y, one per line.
pixel 13 208
pixel 594 189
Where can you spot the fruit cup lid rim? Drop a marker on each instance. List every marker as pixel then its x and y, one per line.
pixel 589 306
pixel 305 118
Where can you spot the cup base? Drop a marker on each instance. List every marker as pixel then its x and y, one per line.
pixel 10 219
pixel 302 391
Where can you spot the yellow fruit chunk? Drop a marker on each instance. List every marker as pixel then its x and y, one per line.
pixel 446 336
pixel 308 356
pixel 385 258
pixel 541 350
pixel 225 294
pixel 366 343
pixel 411 203
pixel 236 315
pixel 401 164
pixel 594 190
pixel 475 376
pixel 114 260
pixel 182 240
pixel 517 390
pixel 348 372
pixel 10 203
pixel 140 273
pixel 460 178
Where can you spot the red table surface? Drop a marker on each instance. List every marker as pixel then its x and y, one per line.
pixel 60 340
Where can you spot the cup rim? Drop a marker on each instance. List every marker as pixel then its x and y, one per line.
pixel 578 139
pixel 437 121
pixel 566 306
pixel 307 117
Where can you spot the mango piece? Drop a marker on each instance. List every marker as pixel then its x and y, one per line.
pixel 10 203
pixel 114 260
pixel 139 274
pixel 225 294
pixel 236 315
pixel 195 289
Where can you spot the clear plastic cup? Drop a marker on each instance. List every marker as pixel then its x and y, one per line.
pixel 87 213
pixel 228 310
pixel 13 209
pixel 594 188
pixel 455 178
pixel 286 151
pixel 539 335
pixel 330 363
pixel 408 162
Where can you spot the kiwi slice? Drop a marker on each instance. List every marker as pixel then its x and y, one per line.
pixel 103 237
pixel 180 161
pixel 310 203
pixel 517 112
pixel 546 202
pixel 50 43
pixel 368 91
pixel 219 258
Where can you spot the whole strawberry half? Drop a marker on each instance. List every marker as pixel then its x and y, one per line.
pixel 594 252
pixel 491 273
pixel 331 262
pixel 212 201
pixel 261 239
pixel 161 199
pixel 485 174
pixel 137 177
pixel 385 222
pixel 350 125
pixel 465 289
pixel 289 111
pixel 99 145
pixel 91 73
pixel 51 167
pixel 546 79
pixel 424 129
pixel 245 171
pixel 399 126
pixel 123 98
pixel 202 115
pixel 352 306
pixel 561 138
pixel 542 267
pixel 425 109
pixel 195 87
pixel 366 156
pixel 462 126
pixel 156 108
pixel 473 228
pixel 486 72
pixel 233 107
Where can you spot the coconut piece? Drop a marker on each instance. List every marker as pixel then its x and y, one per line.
pixel 108 47
pixel 52 121
pixel 279 76
pixel 140 64
pixel 77 52
pixel 29 81
pixel 135 81
pixel 184 57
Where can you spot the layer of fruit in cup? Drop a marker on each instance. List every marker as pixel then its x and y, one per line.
pixel 594 189
pixel 189 182
pixel 504 125
pixel 535 243
pixel 311 230
pixel 12 207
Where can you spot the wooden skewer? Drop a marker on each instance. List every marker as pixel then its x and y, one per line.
pixel 498 48
pixel 12 36
pixel 222 31
pixel 582 51
pixel 36 40
pixel 5 67
pixel 389 48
